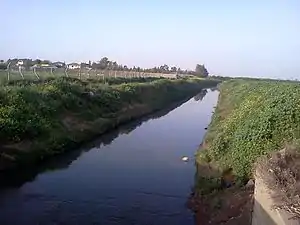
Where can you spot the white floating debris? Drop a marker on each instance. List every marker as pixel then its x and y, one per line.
pixel 185 158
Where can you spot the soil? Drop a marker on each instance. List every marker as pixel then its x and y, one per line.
pixel 232 206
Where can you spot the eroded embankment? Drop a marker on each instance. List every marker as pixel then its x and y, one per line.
pixel 41 119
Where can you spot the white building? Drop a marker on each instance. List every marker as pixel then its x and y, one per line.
pixel 20 63
pixel 73 66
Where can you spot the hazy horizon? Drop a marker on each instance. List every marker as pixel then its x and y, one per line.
pixel 232 38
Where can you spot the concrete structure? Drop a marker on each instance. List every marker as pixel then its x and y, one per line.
pixel 264 212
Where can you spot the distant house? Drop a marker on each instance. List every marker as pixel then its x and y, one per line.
pixel 59 64
pixel 48 66
pixel 85 65
pixel 35 66
pixel 43 66
pixel 20 63
pixel 74 66
pixel 3 65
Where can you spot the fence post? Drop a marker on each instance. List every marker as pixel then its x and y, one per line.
pixel 20 71
pixel 8 72
pixel 34 71
pixel 88 73
pixel 66 71
pixel 79 72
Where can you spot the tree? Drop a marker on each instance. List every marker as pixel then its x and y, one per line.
pixel 95 65
pixel 164 69
pixel 201 71
pixel 110 65
pixel 103 63
pixel 46 62
pixel 37 61
pixel 120 68
pixel 173 69
pixel 115 66
pixel 3 66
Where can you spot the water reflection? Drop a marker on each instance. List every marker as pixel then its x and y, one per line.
pixel 214 88
pixel 18 178
pixel 200 95
pixel 121 178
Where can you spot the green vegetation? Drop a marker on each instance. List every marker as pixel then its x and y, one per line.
pixel 108 80
pixel 15 77
pixel 253 118
pixel 44 118
pixel 201 71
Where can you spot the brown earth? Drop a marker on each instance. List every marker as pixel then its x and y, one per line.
pixel 232 206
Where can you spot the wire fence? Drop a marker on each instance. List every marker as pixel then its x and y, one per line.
pixel 83 74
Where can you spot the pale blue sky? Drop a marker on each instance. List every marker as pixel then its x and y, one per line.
pixel 258 38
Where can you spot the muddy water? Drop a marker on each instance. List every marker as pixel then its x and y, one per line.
pixel 133 175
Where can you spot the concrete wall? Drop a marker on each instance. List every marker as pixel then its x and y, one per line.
pixel 263 210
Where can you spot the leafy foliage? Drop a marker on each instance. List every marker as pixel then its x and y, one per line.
pixel 53 113
pixel 201 71
pixel 252 119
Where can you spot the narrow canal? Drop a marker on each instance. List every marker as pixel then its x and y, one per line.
pixel 131 176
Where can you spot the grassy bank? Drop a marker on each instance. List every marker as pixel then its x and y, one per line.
pixel 253 118
pixel 44 118
pixel 100 75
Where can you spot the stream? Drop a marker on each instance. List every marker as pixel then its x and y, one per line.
pixel 133 175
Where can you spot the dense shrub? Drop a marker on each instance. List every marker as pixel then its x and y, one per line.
pixel 55 112
pixel 252 119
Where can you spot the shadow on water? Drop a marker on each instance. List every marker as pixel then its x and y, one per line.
pixel 200 95
pixel 18 178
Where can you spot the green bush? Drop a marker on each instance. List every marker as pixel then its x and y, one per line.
pixel 54 113
pixel 252 119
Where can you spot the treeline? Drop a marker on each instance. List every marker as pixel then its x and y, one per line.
pixel 106 64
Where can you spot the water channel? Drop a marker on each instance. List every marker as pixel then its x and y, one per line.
pixel 133 175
